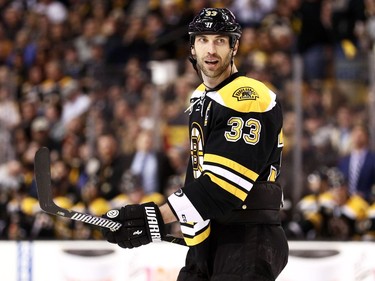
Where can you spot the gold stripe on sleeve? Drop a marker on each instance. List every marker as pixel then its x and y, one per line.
pixel 252 176
pixel 192 241
pixel 227 186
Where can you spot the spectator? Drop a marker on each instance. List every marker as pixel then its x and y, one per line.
pixel 314 40
pixel 108 167
pixel 53 113
pixel 122 45
pixel 72 66
pixel 349 55
pixel 345 19
pixel 40 135
pixel 55 11
pixel 60 182
pixel 133 86
pixel 29 111
pixel 252 12
pixel 10 116
pixel 89 36
pixel 11 18
pixel 16 215
pixel 178 158
pixel 55 80
pixel 95 69
pixel 70 155
pixel 150 163
pixel 75 103
pixel 337 134
pixel 159 38
pixel 10 176
pixel 6 45
pixel 20 140
pixel 359 166
pixel 176 98
pixel 23 47
pixel 31 88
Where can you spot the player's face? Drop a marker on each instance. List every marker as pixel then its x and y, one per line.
pixel 213 55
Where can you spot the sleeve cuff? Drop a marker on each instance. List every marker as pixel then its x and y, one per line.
pixel 182 207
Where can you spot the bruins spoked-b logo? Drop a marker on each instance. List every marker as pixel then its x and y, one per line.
pixel 245 93
pixel 196 149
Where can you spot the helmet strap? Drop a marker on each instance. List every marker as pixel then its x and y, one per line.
pixel 193 62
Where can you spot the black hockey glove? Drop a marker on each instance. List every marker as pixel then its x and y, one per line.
pixel 141 224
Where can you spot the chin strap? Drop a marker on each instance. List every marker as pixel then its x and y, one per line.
pixel 193 61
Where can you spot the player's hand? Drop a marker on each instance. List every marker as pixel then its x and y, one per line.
pixel 141 224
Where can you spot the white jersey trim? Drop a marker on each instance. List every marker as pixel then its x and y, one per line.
pixel 273 101
pixel 229 175
pixel 184 209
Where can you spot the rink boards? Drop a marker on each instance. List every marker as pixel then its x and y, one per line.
pixel 101 261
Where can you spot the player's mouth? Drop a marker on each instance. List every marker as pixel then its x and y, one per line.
pixel 212 62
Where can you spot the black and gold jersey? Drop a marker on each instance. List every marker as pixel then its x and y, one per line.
pixel 236 140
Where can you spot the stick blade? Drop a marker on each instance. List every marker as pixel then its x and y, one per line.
pixel 43 181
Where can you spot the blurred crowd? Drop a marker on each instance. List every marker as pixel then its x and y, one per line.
pixel 104 85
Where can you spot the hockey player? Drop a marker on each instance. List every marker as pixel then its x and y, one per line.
pixel 229 206
pixel 330 213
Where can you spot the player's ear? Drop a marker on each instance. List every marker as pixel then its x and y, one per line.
pixel 235 48
pixel 192 49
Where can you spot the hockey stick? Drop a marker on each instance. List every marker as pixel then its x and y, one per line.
pixel 43 184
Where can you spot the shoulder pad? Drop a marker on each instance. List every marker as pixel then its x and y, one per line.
pixel 245 95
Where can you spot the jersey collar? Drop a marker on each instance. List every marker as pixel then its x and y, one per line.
pixel 225 82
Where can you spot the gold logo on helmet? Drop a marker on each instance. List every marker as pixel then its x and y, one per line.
pixel 245 93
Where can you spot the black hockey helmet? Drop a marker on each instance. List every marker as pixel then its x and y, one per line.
pixel 215 21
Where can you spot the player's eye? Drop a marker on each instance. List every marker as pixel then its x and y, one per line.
pixel 202 39
pixel 221 41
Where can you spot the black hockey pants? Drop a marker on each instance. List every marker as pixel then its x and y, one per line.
pixel 239 252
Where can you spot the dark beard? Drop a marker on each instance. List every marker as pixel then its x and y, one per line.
pixel 219 71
